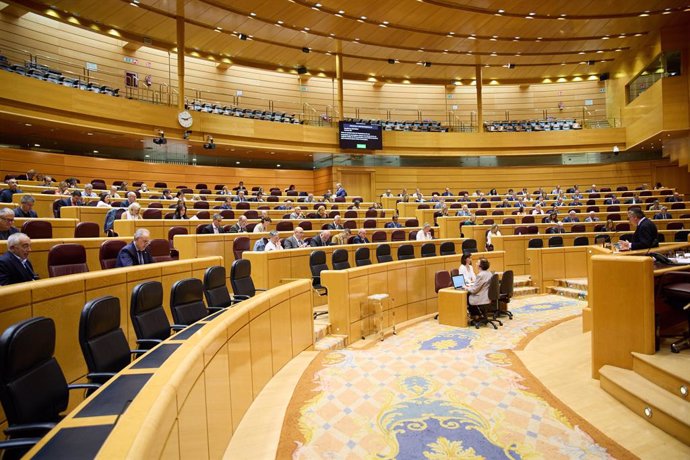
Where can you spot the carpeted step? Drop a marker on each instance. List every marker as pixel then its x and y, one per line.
pixel 331 342
pixel 321 329
pixel 667 370
pixel 522 280
pixel 574 283
pixel 651 402
pixel 520 291
pixel 568 292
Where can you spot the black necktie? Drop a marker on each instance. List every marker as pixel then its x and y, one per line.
pixel 29 268
pixel 141 257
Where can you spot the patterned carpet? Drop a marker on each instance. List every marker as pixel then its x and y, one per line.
pixel 437 392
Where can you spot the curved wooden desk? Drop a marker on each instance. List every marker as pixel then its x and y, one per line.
pixel 185 398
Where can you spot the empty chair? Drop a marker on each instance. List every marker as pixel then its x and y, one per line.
pixel 102 341
pixel 521 230
pixel 535 243
pixel 284 226
pixel 242 205
pixel 187 301
pixel 527 219
pixel 201 205
pixel 87 230
pixel 160 185
pixel 369 223
pixel 577 228
pixel 239 245
pixel 674 226
pixel 107 254
pixel 227 213
pixel 413 235
pixel 159 249
pixel 67 259
pixel 675 292
pixel 532 229
pixel 508 220
pixel 383 253
pixel 428 250
pixel 362 257
pixel 447 248
pixel 38 229
pixel 305 225
pixel 678 206
pixel 371 213
pixel 171 239
pixel 241 280
pixel 152 213
pixel 203 215
pixel 556 242
pixel 317 264
pixel 581 241
pixel 398 235
pixel 442 280
pixel 469 246
pixel 149 321
pixel 216 289
pixel 602 239
pixel 681 236
pixel 350 214
pixel 405 252
pixel 339 259
pixel 623 227
pixel 351 224
pixel 660 238
pixel 33 388
pixel 505 294
pixel 378 236
pixel 411 223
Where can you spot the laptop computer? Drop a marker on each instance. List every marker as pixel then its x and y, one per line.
pixel 459 282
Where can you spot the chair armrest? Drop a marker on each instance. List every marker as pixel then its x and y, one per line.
pixel 84 386
pixel 148 341
pixel 29 427
pixel 674 277
pixel 177 327
pixel 241 297
pixel 100 377
pixel 18 443
pixel 260 289
pixel 138 352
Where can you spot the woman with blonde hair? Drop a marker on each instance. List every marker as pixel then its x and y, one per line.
pixel 133 212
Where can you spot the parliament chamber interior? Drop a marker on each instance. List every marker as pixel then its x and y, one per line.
pixel 297 229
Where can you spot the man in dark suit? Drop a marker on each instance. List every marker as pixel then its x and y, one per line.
pixel 321 239
pixel 635 199
pixel 612 200
pixel 73 200
pixel 240 226
pixel 14 264
pixel 135 253
pixel 296 241
pixel 6 195
pixel 393 223
pixel 336 224
pixel 662 214
pixel 361 237
pixel 214 227
pixel 645 235
pixel 26 209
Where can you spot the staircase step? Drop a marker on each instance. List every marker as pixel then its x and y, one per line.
pixel 321 329
pixel 331 342
pixel 575 283
pixel 568 292
pixel 649 401
pixel 519 291
pixel 522 280
pixel 668 370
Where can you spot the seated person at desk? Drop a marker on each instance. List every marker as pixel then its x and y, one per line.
pixel 662 214
pixel 479 291
pixel 310 198
pixel 321 239
pixel 635 199
pixel 88 192
pixel 240 226
pixel 296 241
pixel 228 202
pixel 558 228
pixel 336 224
pixel 6 195
pixel 14 264
pixel 361 237
pixel 340 191
pixel 610 226
pixel 263 226
pixel 571 217
pixel 425 233
pixel 321 212
pixel 104 202
pixel 675 198
pixel 215 227
pixel 466 268
pixel 133 212
pixel 113 192
pixel 655 206
pixel 273 242
pixel 73 200
pixel 493 231
pixel 131 198
pixel 297 213
pixel 341 238
pixel 612 200
pixel 26 208
pixel 167 195
pixel 180 211
pixel 464 211
pixel 592 217
pixel 135 253
pixel 240 197
pixel 393 223
pixel 645 235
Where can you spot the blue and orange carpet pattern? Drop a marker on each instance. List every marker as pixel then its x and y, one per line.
pixel 438 392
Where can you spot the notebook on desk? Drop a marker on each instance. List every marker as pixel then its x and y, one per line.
pixel 459 282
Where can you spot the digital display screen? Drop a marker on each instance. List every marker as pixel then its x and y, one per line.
pixel 360 136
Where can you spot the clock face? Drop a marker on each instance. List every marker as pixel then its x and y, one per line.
pixel 185 119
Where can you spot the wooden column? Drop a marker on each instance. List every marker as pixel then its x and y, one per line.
pixel 339 77
pixel 180 54
pixel 480 107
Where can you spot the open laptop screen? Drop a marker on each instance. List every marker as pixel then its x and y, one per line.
pixel 459 282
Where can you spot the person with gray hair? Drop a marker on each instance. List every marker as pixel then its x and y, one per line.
pixel 240 226
pixel 425 233
pixel 7 223
pixel 296 241
pixel 26 208
pixel 273 242
pixel 88 192
pixel 135 253
pixel 131 198
pixel 15 266
pixel 214 227
pixel 321 239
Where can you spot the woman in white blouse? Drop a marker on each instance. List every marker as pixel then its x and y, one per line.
pixel 466 268
pixel 104 202
pixel 273 242
pixel 494 231
pixel 133 212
